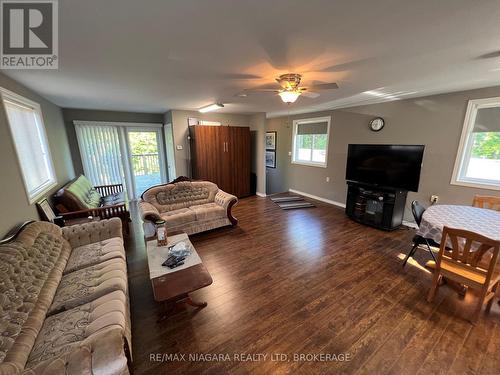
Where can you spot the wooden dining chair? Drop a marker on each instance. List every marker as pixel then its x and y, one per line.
pixel 463 262
pixel 486 201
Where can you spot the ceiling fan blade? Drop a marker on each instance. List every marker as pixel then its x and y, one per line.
pixel 240 76
pixel 310 94
pixel 324 86
pixel 259 90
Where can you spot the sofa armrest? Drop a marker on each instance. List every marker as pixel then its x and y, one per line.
pixel 148 211
pixel 227 201
pixel 224 199
pixel 95 231
pixel 104 353
pixel 105 190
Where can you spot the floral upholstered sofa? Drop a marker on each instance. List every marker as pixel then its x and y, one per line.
pixel 189 206
pixel 64 300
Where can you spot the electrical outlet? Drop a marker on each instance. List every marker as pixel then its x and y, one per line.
pixel 434 198
pixel 328 179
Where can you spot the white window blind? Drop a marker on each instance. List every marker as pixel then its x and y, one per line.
pixel 30 140
pixel 101 153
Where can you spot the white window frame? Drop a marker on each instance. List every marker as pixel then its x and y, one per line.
pixel 465 146
pixel 296 123
pixel 52 182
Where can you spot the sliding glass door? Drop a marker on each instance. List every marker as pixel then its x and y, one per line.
pixel 128 153
pixel 147 163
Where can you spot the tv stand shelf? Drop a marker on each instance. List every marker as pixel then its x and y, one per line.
pixel 379 207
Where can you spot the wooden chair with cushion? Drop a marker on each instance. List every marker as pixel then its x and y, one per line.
pixel 80 199
pixel 486 201
pixel 470 260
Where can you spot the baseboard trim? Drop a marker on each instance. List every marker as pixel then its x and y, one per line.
pixel 260 194
pixel 335 203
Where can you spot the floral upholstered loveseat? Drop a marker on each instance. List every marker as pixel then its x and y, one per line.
pixel 189 206
pixel 64 300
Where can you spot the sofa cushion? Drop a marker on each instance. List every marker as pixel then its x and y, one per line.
pixel 178 217
pixel 85 285
pixel 94 253
pixel 83 190
pixel 30 270
pixel 111 200
pixel 62 332
pixel 102 353
pixel 209 211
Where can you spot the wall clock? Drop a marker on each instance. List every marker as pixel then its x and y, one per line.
pixel 377 124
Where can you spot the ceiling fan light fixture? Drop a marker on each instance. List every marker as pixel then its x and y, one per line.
pixel 289 96
pixel 211 107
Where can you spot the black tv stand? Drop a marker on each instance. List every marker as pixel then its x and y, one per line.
pixel 379 207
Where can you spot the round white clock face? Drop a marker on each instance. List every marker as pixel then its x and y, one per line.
pixel 377 124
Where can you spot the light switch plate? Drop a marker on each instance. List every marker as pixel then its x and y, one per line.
pixel 179 147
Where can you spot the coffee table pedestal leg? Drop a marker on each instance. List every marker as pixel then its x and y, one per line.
pixel 170 305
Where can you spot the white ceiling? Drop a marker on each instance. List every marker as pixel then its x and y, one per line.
pixel 156 55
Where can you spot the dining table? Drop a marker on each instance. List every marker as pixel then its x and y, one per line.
pixel 483 221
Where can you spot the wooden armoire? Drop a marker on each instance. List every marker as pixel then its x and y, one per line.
pixel 221 154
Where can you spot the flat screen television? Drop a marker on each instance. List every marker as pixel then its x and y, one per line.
pixel 394 166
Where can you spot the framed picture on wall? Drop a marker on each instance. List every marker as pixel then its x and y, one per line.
pixel 271 159
pixel 46 212
pixel 271 141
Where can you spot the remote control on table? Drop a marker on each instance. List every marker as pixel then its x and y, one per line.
pixel 176 265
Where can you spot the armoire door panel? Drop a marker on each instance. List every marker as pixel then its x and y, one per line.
pixel 205 160
pixel 222 158
pixel 240 160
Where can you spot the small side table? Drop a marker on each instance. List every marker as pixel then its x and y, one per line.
pixel 171 286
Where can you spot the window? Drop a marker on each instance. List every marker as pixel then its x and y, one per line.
pixel 310 141
pixel 30 140
pixel 478 158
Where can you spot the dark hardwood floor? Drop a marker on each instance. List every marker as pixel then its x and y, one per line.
pixel 310 281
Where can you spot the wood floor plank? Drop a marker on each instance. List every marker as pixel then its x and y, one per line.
pixel 490 364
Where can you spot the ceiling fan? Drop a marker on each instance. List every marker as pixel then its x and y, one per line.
pixel 290 88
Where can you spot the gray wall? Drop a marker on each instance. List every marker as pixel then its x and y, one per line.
pixel 256 122
pixel 258 134
pixel 13 199
pixel 435 121
pixel 72 114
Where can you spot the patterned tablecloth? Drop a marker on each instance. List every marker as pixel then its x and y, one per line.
pixel 479 220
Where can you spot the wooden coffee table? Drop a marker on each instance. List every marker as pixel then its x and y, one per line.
pixel 171 286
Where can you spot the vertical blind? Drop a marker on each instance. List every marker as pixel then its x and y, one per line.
pixel 100 152
pixel 312 128
pixel 31 145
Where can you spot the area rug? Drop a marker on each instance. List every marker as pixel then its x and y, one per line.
pixel 291 202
